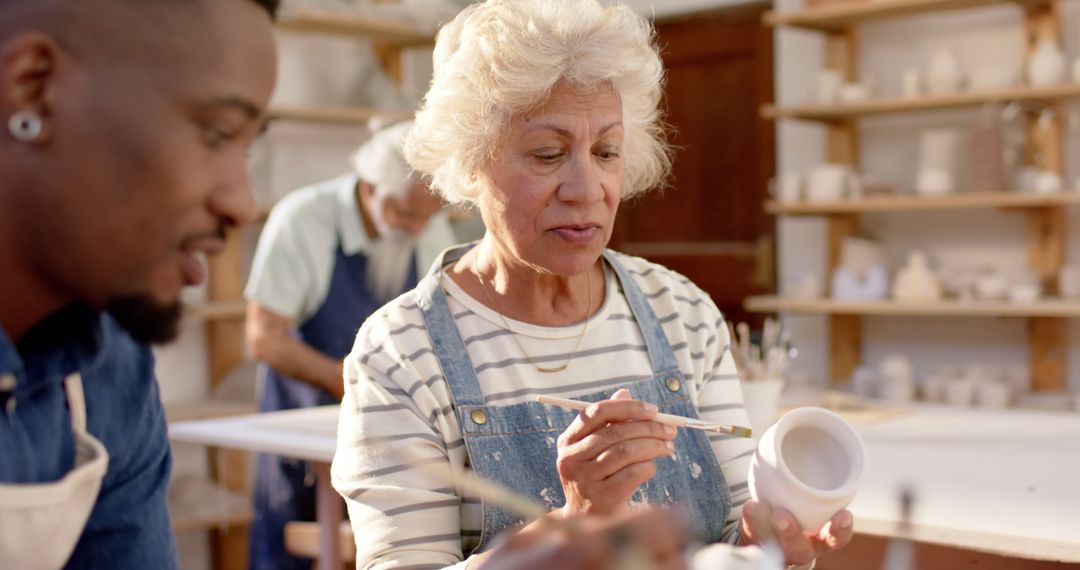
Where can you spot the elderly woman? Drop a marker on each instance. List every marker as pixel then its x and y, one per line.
pixel 543 114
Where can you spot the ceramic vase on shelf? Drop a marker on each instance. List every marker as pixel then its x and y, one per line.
pixel 1047 64
pixel 945 73
pixel 937 162
pixel 809 463
pixel 916 281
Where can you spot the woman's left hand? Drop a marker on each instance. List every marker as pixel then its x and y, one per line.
pixel 800 546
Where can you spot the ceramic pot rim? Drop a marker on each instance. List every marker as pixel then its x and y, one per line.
pixel 835 426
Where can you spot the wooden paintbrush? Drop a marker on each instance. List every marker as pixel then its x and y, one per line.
pixel 667 419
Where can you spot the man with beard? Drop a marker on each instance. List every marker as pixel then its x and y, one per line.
pixel 330 255
pixel 124 126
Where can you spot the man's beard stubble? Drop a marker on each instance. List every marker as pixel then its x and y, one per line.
pixel 146 320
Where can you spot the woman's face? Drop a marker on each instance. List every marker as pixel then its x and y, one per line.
pixel 554 185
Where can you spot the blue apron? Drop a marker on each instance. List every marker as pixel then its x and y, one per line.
pixel 284 488
pixel 515 445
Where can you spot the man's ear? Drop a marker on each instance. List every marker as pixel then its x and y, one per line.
pixel 28 65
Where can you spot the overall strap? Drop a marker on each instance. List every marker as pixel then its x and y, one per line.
pixel 443 332
pixel 660 353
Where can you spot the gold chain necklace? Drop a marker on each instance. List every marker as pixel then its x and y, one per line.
pixel 513 335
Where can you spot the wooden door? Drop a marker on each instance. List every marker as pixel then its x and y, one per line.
pixel 709 224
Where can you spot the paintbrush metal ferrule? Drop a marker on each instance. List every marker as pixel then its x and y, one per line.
pixel 719 428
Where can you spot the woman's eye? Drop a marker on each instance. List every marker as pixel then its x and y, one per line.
pixel 607 154
pixel 548 157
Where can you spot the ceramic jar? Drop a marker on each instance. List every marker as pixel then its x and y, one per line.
pixel 761 399
pixel 830 182
pixel 916 281
pixel 945 74
pixel 1047 64
pixel 809 463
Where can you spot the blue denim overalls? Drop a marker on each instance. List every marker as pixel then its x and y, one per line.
pixel 283 490
pixel 515 445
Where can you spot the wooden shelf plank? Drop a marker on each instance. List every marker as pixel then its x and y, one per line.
pixel 383 30
pixel 335 115
pixel 1049 308
pixel 206 409
pixel 217 311
pixel 888 105
pixel 971 201
pixel 182 523
pixel 837 17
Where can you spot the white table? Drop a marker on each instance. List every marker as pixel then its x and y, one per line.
pixel 1004 482
pixel 309 434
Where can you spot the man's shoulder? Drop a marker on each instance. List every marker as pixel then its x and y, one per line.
pixel 121 380
pixel 303 203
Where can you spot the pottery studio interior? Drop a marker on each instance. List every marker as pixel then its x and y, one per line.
pixel 707 284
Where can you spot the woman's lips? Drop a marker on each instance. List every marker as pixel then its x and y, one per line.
pixel 577 234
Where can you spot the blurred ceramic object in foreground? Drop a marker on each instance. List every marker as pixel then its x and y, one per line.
pixel 809 463
pixel 719 556
pixel 916 281
pixel 1046 65
pixel 1069 282
pixel 945 73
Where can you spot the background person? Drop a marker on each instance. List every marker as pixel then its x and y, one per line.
pixel 329 256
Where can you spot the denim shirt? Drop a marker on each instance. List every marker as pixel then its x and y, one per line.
pixel 129 527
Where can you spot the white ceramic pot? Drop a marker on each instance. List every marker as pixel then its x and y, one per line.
pixel 761 398
pixel 1047 64
pixel 945 74
pixel 991 287
pixel 1025 293
pixel 786 188
pixel 933 387
pixel 809 463
pixel 830 182
pixel 959 392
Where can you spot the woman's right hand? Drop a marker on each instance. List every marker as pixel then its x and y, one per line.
pixel 608 452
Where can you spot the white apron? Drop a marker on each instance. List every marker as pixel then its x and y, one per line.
pixel 40 524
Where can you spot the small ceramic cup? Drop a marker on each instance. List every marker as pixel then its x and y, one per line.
pixel 809 463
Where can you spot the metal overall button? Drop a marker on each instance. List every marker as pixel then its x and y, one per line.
pixel 673 384
pixel 479 417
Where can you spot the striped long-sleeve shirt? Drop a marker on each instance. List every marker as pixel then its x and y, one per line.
pixel 397 404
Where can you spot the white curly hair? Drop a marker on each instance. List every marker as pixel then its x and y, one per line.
pixel 501 58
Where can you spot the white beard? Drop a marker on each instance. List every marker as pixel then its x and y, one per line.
pixel 388 263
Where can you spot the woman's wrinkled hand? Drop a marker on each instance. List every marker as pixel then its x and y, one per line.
pixel 800 546
pixel 608 452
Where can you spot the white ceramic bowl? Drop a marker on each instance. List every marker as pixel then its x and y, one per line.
pixel 809 463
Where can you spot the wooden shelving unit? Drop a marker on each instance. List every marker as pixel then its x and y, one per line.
pixel 217 311
pixel 332 115
pixel 1046 235
pixel 971 201
pixel 894 105
pixel 1052 308
pixel 385 31
pixel 842 16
